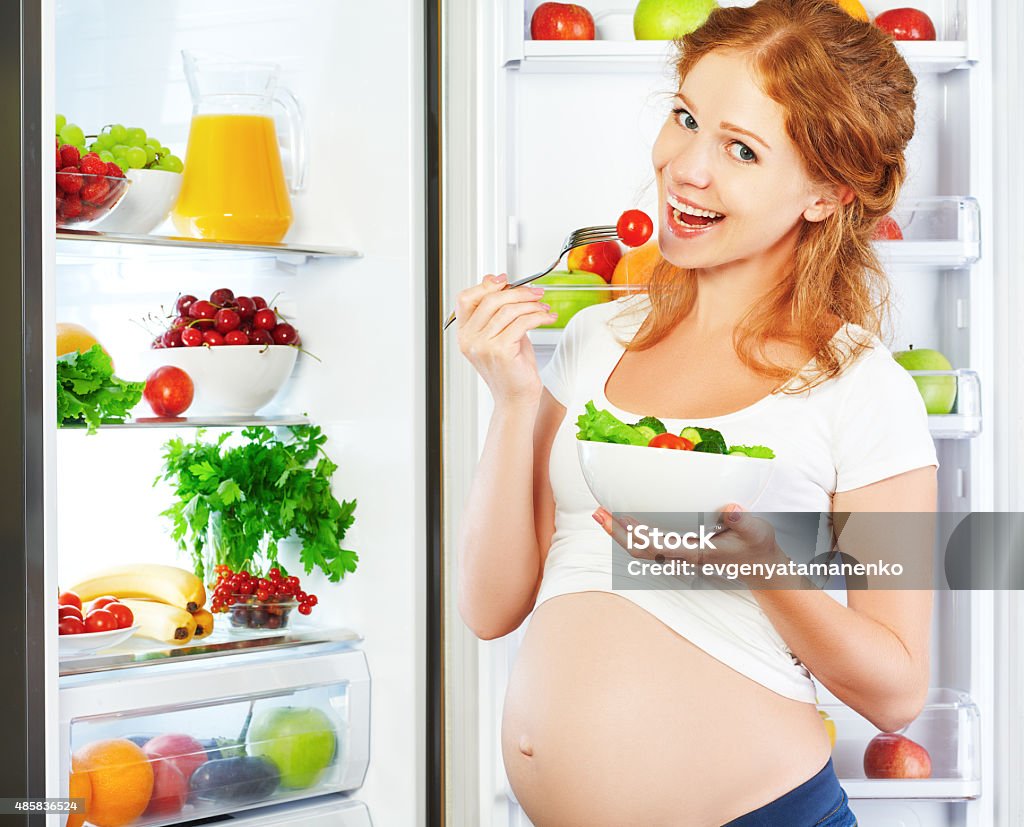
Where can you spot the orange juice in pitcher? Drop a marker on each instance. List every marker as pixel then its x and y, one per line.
pixel 234 186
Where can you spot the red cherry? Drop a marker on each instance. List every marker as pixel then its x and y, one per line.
pixel 213 338
pixel 261 337
pixel 222 297
pixel 245 306
pixel 284 334
pixel 265 319
pixel 202 310
pixel 171 338
pixel 259 301
pixel 183 304
pixel 226 320
pixel 191 337
pixel 235 337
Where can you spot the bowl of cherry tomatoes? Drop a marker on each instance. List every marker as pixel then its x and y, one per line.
pixel 97 625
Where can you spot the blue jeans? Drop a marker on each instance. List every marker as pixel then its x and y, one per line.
pixel 818 802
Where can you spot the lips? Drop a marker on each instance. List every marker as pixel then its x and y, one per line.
pixel 684 225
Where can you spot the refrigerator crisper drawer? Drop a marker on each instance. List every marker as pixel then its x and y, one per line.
pixel 327 811
pixel 164 744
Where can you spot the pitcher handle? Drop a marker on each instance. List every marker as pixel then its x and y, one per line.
pixel 286 99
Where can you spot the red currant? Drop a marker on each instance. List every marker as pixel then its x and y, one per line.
pixel 305 609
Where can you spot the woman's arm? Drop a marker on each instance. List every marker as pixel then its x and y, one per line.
pixel 873 653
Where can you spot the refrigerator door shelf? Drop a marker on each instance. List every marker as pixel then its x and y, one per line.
pixel 302 717
pixel 324 811
pixel 937 232
pixel 964 419
pixel 948 728
pixel 92 245
pixel 936 56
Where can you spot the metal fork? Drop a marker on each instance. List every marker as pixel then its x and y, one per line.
pixel 577 238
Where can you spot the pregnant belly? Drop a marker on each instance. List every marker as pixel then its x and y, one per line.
pixel 612 719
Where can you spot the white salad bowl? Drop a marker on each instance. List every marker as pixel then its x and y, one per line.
pixel 146 204
pixel 230 380
pixel 629 478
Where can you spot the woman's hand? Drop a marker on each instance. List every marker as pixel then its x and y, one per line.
pixel 740 539
pixel 492 325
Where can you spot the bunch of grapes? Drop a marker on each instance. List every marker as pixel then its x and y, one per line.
pixel 226 319
pixel 238 588
pixel 69 133
pixel 130 148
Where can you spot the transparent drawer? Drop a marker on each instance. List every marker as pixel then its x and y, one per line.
pixel 964 418
pixel 937 232
pixel 182 744
pixel 947 730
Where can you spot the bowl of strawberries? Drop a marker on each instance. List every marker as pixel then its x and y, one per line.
pixel 88 188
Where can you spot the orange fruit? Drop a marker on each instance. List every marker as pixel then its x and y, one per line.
pixel 121 778
pixel 72 336
pixel 636 266
pixel 79 786
pixel 854 9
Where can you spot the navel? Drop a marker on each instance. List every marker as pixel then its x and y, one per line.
pixel 525 747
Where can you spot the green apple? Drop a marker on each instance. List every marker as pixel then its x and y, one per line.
pixel 567 303
pixel 669 19
pixel 939 392
pixel 301 741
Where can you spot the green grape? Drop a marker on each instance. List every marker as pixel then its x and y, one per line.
pixel 136 137
pixel 136 157
pixel 153 142
pixel 150 154
pixel 119 133
pixel 105 141
pixel 106 156
pixel 172 163
pixel 61 120
pixel 72 134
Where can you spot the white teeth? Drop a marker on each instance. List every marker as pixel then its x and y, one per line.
pixel 679 206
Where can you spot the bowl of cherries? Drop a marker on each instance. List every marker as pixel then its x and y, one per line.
pixel 238 351
pixel 257 604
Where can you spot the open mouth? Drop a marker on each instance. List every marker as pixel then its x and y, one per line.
pixel 685 219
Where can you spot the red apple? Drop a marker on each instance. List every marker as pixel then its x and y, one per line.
pixel 170 790
pixel 888 230
pixel 183 752
pixel 561 21
pixel 169 391
pixel 894 756
pixel 906 24
pixel 599 257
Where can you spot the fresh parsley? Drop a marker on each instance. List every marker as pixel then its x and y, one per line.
pixel 88 392
pixel 235 503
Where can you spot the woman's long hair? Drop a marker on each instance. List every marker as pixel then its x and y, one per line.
pixel 848 98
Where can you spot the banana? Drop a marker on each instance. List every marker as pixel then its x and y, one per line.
pixel 204 624
pixel 149 581
pixel 160 621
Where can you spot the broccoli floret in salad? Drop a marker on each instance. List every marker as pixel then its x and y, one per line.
pixel 653 423
pixel 710 441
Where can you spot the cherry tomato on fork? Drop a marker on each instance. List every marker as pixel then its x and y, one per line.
pixel 634 228
pixel 678 443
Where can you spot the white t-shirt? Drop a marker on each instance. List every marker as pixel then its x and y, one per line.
pixel 865 425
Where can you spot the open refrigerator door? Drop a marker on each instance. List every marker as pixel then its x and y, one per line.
pixel 563 132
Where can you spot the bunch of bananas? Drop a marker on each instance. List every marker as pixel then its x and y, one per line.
pixel 167 601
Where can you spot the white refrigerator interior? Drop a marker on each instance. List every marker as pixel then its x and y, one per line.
pixel 120 62
pixel 564 136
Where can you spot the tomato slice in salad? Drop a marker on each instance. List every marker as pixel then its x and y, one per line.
pixel 677 443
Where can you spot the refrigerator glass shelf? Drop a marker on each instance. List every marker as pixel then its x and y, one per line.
pixel 90 245
pixel 655 55
pixel 947 728
pixel 964 419
pixel 140 652
pixel 197 422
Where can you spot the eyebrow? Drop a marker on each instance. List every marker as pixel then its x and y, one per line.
pixel 725 124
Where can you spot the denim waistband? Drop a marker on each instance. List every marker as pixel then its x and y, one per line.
pixel 804 806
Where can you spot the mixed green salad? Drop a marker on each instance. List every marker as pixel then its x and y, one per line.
pixel 602 426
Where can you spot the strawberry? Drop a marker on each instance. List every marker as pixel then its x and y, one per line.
pixel 114 171
pixel 59 164
pixel 69 180
pixel 95 191
pixel 69 156
pixel 72 207
pixel 92 165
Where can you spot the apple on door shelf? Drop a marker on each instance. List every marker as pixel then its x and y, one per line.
pixel 939 392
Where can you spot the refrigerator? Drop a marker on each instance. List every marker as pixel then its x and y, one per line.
pixel 353 274
pixel 555 135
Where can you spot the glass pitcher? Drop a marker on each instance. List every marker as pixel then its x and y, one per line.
pixel 233 186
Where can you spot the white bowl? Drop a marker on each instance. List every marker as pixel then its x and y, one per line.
pixel 147 203
pixel 629 478
pixel 230 380
pixel 88 642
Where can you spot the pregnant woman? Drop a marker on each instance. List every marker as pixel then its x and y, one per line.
pixel 783 149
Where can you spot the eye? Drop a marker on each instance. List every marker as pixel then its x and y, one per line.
pixel 744 153
pixel 684 118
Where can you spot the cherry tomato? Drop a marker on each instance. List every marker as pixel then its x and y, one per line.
pixel 634 228
pixel 70 626
pixel 122 614
pixel 677 443
pixel 100 620
pixel 69 611
pixel 69 599
pixel 101 602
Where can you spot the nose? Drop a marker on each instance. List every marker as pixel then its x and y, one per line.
pixel 689 163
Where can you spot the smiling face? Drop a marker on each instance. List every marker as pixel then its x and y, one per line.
pixel 732 186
